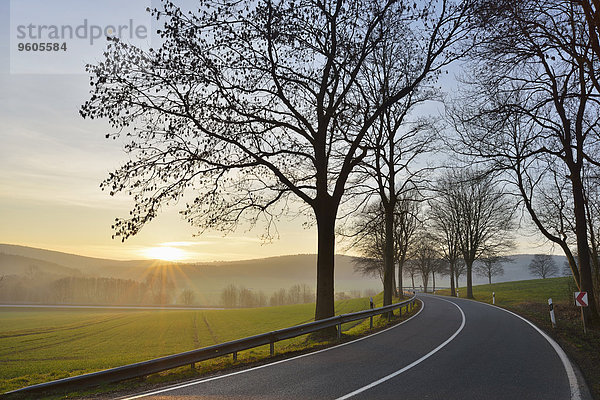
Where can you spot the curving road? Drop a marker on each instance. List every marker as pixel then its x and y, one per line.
pixel 452 349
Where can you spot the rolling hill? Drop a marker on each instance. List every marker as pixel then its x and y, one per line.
pixel 209 279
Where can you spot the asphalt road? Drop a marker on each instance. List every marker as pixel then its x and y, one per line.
pixel 453 349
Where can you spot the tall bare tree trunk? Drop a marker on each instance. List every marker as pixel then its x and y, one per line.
pixel 469 279
pixel 586 283
pixel 388 259
pixel 325 306
pixel 452 286
pixel 400 271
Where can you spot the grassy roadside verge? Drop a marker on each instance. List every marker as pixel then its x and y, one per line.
pixel 530 300
pixel 247 358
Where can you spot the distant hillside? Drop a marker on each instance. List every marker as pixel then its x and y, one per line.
pixel 18 265
pixel 209 279
pixel 271 274
pixel 513 271
pixel 87 265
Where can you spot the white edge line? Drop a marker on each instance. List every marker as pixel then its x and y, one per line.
pixel 139 396
pixel 409 366
pixel 573 383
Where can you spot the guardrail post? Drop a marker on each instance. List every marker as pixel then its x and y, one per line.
pixel 193 365
pixel 234 356
pixel 339 331
pixel 272 348
pixel 371 304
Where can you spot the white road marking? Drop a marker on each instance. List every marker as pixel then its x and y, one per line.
pixel 409 366
pixel 574 385
pixel 155 392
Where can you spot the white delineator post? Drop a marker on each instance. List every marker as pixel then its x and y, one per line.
pixel 457 295
pixel 493 297
pixel 552 313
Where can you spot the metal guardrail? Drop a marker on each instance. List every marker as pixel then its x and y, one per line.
pixel 190 357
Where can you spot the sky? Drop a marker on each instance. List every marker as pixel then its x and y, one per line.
pixel 52 161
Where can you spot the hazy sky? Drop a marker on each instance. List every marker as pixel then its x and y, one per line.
pixel 52 161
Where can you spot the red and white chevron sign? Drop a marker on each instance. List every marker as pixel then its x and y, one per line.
pixel 581 299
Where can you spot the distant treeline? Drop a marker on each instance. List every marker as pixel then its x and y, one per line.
pixel 234 296
pixel 156 289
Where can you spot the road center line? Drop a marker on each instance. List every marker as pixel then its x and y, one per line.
pixel 409 366
pixel 197 382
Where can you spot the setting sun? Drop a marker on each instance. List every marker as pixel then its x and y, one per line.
pixel 166 253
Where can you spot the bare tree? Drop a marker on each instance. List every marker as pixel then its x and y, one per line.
pixel 533 112
pixel 368 239
pixel 279 298
pixel 411 270
pixel 543 265
pixel 489 267
pixel 368 235
pixel 372 267
pixel 459 270
pixel 159 285
pixel 406 221
pixel 483 217
pixel 395 143
pixel 591 11
pixel 229 296
pixel 425 257
pixel 254 104
pixel 444 216
pixel 187 297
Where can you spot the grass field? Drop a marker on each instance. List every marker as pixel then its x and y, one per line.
pixel 41 345
pixel 511 293
pixel 530 299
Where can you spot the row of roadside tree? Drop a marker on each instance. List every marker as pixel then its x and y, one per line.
pixel 252 110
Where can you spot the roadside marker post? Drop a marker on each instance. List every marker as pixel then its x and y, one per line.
pixel 457 295
pixel 581 300
pixel 551 306
pixel 493 297
pixel 371 304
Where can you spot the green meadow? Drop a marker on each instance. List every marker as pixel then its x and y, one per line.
pixel 38 345
pixel 512 293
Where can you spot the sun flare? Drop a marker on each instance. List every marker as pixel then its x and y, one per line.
pixel 166 253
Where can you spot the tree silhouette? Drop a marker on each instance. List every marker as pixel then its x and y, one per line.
pixel 369 237
pixel 253 106
pixel 543 265
pixel 490 267
pixel 483 214
pixel 444 214
pixel 531 111
pixel 425 257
